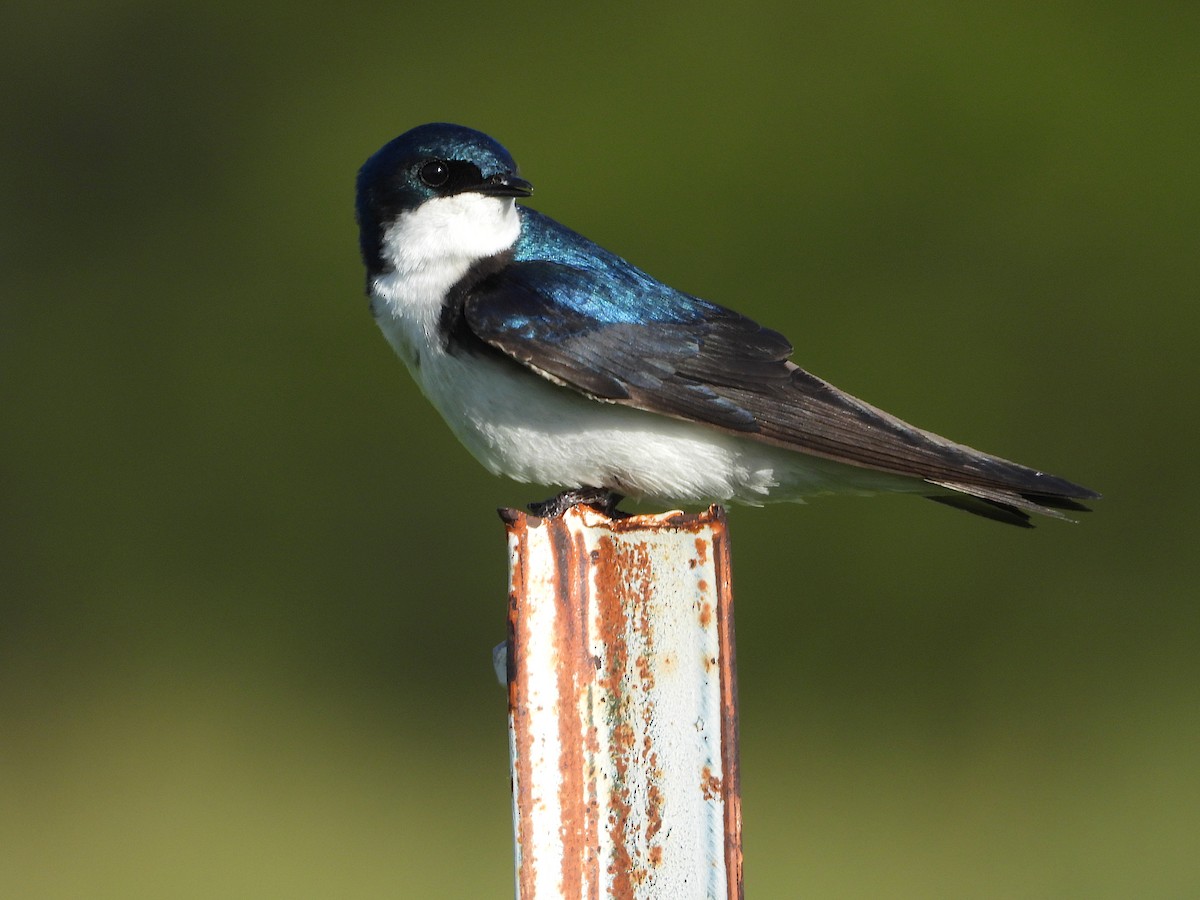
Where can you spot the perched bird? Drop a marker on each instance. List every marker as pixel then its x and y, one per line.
pixel 558 363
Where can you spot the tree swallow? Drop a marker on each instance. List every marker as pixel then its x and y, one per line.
pixel 558 363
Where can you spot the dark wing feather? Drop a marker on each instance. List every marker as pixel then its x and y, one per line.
pixel 676 355
pixel 554 319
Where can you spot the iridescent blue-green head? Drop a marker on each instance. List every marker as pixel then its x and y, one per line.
pixel 439 181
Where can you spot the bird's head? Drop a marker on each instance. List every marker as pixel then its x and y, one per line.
pixel 437 192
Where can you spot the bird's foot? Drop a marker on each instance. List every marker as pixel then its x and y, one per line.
pixel 600 499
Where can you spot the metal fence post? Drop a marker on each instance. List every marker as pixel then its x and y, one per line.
pixel 622 702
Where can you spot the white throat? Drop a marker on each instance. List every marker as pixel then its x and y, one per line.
pixel 428 250
pixel 447 231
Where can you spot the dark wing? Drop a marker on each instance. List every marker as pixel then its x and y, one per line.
pixel 673 354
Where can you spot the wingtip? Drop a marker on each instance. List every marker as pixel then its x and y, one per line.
pixel 1010 506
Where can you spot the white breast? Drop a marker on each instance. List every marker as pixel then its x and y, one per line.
pixel 427 251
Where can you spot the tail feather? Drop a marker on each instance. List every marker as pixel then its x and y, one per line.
pixel 989 509
pixel 1056 501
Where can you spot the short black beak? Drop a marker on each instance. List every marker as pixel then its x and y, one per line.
pixel 501 185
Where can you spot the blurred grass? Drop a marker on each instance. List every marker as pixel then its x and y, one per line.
pixel 249 583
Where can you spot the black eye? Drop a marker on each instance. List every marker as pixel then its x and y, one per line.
pixel 435 173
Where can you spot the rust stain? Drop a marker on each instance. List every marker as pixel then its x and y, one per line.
pixel 731 789
pixel 640 591
pixel 655 804
pixel 645 672
pixel 610 622
pixel 710 784
pixel 701 551
pixel 706 610
pixel 620 869
pixel 517 703
pixel 678 521
pixel 570 647
pixel 624 584
pixel 591 827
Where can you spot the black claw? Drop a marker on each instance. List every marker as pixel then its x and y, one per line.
pixel 600 499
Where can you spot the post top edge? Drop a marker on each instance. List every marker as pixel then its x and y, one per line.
pixel 590 517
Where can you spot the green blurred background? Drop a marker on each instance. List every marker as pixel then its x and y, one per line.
pixel 249 583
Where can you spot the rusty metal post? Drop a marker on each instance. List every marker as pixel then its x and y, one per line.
pixel 622 704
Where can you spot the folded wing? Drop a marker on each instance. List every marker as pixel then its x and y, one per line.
pixel 676 355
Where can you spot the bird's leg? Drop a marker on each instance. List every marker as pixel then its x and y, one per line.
pixel 600 499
